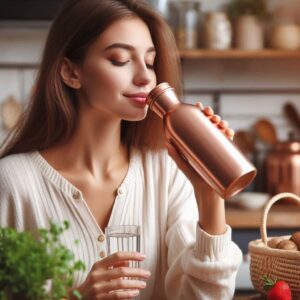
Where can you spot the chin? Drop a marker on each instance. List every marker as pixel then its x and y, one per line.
pixel 136 119
pixel 137 116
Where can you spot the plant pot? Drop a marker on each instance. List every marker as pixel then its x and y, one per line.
pixel 249 33
pixel 286 37
pixel 10 296
pixel 21 295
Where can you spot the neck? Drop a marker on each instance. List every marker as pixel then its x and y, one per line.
pixel 95 146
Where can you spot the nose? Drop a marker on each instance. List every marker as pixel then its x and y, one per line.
pixel 143 75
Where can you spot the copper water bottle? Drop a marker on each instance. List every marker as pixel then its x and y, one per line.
pixel 283 168
pixel 201 143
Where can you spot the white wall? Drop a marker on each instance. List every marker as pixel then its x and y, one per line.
pixel 21 48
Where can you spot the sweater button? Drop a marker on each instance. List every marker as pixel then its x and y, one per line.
pixel 76 195
pixel 101 238
pixel 121 190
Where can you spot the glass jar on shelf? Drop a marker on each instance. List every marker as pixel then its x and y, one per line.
pixel 186 23
pixel 161 6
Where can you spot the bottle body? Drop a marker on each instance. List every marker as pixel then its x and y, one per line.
pixel 212 155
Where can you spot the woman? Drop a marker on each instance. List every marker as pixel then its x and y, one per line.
pixel 88 150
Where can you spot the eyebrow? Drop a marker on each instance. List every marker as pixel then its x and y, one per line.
pixel 126 46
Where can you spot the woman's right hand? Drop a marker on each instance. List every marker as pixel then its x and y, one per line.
pixel 108 278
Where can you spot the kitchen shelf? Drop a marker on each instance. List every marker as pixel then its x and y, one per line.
pixel 239 54
pixel 280 217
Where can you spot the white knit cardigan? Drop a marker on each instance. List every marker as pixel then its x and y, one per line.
pixel 185 261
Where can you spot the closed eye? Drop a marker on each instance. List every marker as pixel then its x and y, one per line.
pixel 119 63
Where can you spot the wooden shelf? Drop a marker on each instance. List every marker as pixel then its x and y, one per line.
pixel 239 54
pixel 279 217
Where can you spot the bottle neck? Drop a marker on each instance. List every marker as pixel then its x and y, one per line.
pixel 162 99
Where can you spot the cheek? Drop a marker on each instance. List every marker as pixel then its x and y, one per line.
pixel 153 81
pixel 102 78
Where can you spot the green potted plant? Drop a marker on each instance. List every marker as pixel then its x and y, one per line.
pixel 248 16
pixel 36 269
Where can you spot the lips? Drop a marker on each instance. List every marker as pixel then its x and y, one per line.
pixel 138 97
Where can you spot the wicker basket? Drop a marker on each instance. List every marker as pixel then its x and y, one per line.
pixel 275 263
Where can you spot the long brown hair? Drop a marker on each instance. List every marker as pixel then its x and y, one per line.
pixel 52 113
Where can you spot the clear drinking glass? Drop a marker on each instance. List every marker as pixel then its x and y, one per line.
pixel 122 238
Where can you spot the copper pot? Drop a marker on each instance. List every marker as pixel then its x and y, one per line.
pixel 283 168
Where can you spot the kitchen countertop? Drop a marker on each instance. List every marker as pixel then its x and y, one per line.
pixel 280 216
pixel 251 297
pixel 248 295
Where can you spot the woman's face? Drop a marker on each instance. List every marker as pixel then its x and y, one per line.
pixel 117 72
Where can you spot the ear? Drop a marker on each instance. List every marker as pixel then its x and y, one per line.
pixel 70 74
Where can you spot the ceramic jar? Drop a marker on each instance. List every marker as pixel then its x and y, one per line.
pixel 286 37
pixel 218 31
pixel 249 33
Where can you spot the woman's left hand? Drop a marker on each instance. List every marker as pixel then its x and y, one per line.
pixel 199 184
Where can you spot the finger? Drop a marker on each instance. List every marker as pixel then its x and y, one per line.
pixel 223 124
pixel 124 272
pixel 125 294
pixel 121 264
pixel 119 257
pixel 122 284
pixel 119 295
pixel 229 133
pixel 208 111
pixel 200 105
pixel 215 119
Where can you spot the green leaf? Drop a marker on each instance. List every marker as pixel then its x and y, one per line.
pixel 269 283
pixel 27 263
pixel 77 294
pixel 258 8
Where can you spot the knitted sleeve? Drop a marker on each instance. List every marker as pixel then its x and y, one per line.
pixel 201 266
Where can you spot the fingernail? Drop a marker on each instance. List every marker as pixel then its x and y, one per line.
pixel 208 110
pixel 142 255
pixel 223 123
pixel 229 131
pixel 143 284
pixel 215 118
pixel 200 105
pixel 147 274
pixel 134 293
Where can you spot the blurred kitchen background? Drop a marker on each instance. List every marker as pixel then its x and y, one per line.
pixel 241 57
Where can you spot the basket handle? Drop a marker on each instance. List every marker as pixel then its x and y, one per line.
pixel 263 225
